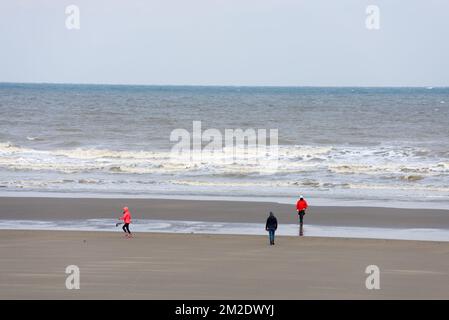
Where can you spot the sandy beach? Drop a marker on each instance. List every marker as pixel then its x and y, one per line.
pixel 161 148
pixel 174 266
pixel 194 266
pixel 39 208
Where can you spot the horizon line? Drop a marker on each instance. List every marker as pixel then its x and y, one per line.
pixel 222 85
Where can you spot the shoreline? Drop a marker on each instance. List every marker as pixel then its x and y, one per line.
pixel 225 229
pixel 41 208
pixel 321 202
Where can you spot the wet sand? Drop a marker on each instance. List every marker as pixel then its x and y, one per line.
pixel 225 211
pixel 194 266
pixel 177 266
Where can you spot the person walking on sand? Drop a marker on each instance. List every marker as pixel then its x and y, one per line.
pixel 301 207
pixel 126 221
pixel 271 226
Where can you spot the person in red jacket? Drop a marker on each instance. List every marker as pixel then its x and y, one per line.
pixel 126 221
pixel 301 207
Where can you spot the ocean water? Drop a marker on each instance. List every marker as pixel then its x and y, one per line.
pixel 373 146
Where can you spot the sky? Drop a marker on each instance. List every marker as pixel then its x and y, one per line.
pixel 226 42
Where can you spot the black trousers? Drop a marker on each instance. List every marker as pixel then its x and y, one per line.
pixel 301 216
pixel 126 228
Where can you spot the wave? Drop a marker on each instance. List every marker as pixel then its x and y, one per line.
pixel 373 186
pixel 412 178
pixel 35 139
pixel 214 186
pixel 287 160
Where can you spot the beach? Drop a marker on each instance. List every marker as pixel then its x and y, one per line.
pixel 40 208
pixel 214 266
pixel 224 150
pixel 175 266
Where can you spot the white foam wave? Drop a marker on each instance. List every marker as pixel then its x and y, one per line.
pixel 289 160
pixel 388 171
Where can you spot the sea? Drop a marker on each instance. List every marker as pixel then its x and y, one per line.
pixel 336 146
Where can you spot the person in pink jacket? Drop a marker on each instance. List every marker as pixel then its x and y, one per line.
pixel 126 221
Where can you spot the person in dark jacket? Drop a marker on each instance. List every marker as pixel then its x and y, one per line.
pixel 271 226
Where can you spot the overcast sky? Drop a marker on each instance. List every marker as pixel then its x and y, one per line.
pixel 226 42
